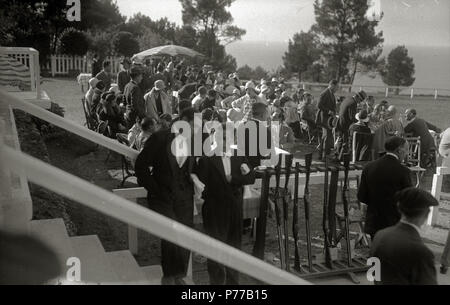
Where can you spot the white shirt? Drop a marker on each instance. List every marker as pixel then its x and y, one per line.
pixel 226 161
pixel 181 150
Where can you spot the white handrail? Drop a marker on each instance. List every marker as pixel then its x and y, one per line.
pixel 109 204
pixel 68 125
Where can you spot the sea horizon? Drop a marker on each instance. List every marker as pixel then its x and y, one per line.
pixel 432 62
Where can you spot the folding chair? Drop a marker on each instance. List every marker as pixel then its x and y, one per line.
pixel 356 218
pixel 91 122
pixel 414 158
pixel 127 165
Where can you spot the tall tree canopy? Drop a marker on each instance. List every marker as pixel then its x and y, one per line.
pixel 303 51
pixel 399 69
pixel 349 37
pixel 213 23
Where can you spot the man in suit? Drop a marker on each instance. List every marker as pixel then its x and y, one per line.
pixel 123 77
pixel 380 180
pixel 105 74
pixel 170 188
pixel 157 102
pixel 224 176
pixel 327 109
pixel 347 114
pixel 134 98
pixel 418 127
pixel 404 258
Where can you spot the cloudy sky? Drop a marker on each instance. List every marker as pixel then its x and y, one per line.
pixel 410 22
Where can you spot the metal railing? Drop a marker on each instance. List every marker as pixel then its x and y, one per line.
pixel 126 211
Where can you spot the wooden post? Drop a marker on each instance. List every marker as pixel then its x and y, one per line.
pixel 412 93
pixel 435 94
pixel 387 92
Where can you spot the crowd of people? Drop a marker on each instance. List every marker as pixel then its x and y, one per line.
pixel 149 97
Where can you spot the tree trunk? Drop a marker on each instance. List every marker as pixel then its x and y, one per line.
pixel 355 68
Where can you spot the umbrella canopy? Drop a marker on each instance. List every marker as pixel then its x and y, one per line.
pixel 170 50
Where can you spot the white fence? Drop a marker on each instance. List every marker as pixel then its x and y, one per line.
pixel 385 91
pixel 63 65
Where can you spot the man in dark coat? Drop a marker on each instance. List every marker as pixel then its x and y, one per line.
pixel 380 180
pixel 123 77
pixel 404 258
pixel 327 109
pixel 134 98
pixel 347 113
pixel 224 176
pixel 170 189
pixel 418 127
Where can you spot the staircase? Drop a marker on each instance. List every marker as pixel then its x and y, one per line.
pixel 97 267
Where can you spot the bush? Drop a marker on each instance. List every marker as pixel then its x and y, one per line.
pixel 73 42
pixel 125 44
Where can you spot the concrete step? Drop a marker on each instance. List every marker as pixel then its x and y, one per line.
pixel 53 233
pixel 154 274
pixel 127 269
pixel 96 269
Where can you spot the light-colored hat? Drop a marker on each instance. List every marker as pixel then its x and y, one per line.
pixel 159 85
pixel 114 88
pixel 250 85
pixel 236 92
pixel 274 80
pixel 264 88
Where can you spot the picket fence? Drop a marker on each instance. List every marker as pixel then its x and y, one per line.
pixel 63 65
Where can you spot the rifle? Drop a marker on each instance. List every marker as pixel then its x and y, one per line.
pixel 325 223
pixel 295 227
pixel 346 212
pixel 277 214
pixel 288 166
pixel 308 162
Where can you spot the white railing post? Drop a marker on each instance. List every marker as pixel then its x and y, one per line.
pixel 412 93
pixel 387 92
pixel 435 94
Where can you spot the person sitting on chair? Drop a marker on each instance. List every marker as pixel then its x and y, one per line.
pixel 418 127
pixel 404 258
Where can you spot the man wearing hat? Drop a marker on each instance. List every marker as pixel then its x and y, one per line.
pixel 327 109
pixel 157 102
pixel 347 112
pixel 123 77
pixel 134 98
pixel 380 180
pixel 404 258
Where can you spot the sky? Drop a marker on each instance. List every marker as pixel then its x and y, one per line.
pixel 409 22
